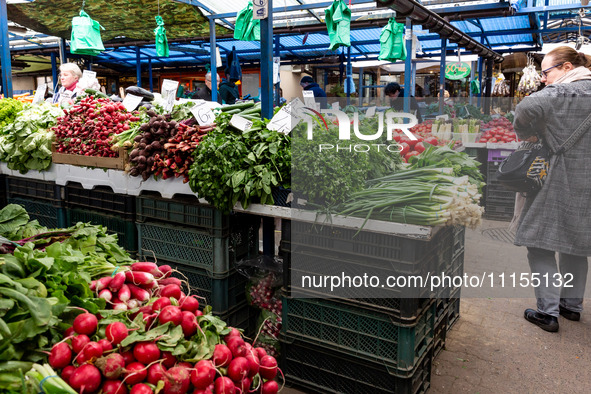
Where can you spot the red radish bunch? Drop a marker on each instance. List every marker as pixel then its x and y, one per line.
pixel 133 288
pixel 89 126
pixel 263 295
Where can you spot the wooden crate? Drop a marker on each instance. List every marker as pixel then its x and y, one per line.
pixel 117 163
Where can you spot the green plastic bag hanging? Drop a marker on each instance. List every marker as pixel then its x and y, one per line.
pixel 338 23
pixel 86 36
pixel 161 40
pixel 475 87
pixel 247 29
pixel 392 46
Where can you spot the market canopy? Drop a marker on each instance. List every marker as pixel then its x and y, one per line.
pixel 132 19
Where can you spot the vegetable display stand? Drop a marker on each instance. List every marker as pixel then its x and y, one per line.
pixel 46 213
pixel 195 247
pixel 101 199
pixel 223 294
pixel 125 229
pixel 320 370
pixel 117 163
pixel 185 211
pixel 370 336
pixel 499 202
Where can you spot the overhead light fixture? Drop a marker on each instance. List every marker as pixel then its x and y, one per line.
pixel 581 39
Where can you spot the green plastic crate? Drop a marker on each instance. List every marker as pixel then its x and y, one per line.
pixel 196 247
pixel 184 211
pixel 222 294
pixel 44 212
pixel 240 316
pixel 125 229
pixel 367 335
pixel 321 370
pixel 33 189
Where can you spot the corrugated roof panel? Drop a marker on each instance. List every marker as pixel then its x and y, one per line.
pixel 510 38
pixel 508 23
pixel 369 49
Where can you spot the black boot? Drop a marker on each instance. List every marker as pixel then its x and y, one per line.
pixel 542 320
pixel 570 315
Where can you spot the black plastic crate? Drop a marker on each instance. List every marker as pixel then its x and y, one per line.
pixel 281 196
pixel 101 199
pixel 368 335
pixel 240 316
pixel 222 294
pixel 320 370
pixel 303 261
pixel 125 229
pixel 440 334
pixel 32 189
pixel 453 312
pixel 3 197
pixel 197 248
pixel 183 210
pixel 499 212
pixel 366 244
pixel 44 212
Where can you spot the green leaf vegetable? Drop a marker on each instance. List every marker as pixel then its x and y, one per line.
pixel 25 144
pixel 232 166
pixel 9 108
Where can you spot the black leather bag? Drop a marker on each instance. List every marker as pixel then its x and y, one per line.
pixel 524 171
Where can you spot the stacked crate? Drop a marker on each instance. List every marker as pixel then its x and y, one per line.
pixel 203 245
pixel 104 207
pixel 369 345
pixel 499 202
pixel 43 200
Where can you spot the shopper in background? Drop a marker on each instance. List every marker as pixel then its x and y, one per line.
pixel 558 217
pixel 396 94
pixel 228 90
pixel 70 73
pixel 205 93
pixel 307 83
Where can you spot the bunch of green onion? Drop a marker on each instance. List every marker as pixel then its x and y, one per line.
pixel 425 196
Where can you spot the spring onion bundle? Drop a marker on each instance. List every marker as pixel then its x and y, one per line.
pixel 425 196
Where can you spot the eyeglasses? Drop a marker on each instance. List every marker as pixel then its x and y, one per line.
pixel 545 72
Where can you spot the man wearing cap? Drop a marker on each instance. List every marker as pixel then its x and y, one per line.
pixel 307 83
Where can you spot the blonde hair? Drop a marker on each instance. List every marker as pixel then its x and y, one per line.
pixel 567 54
pixel 73 68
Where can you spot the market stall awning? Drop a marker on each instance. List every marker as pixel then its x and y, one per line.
pixel 131 19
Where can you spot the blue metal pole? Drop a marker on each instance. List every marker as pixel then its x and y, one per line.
pixel 213 60
pixel 442 75
pixel 89 65
pixel 63 54
pixel 5 55
pixel 54 69
pixel 360 86
pixel 325 80
pixel 408 65
pixel 267 110
pixel 150 74
pixel 138 67
pixel 347 79
pixel 267 65
pixel 277 54
pixel 479 101
pixel 472 66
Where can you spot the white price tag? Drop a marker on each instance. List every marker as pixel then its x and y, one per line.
pixel 284 120
pixel 88 74
pixel 276 74
pixel 203 113
pixel 66 95
pixel 130 102
pixel 336 106
pixel 371 111
pixel 40 93
pixel 169 88
pixel 442 117
pixel 309 98
pixel 240 123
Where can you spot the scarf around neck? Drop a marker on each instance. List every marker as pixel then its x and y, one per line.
pixel 578 74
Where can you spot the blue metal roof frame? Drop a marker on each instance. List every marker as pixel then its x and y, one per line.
pixel 499 32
